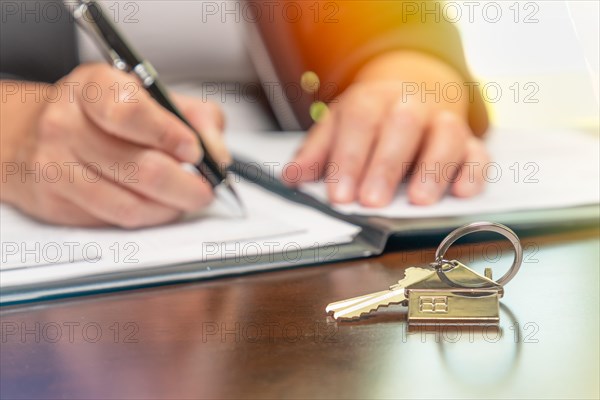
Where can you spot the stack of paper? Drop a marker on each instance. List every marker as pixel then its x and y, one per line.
pixel 33 252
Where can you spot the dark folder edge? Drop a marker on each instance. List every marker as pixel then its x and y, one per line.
pixel 377 235
pixel 178 273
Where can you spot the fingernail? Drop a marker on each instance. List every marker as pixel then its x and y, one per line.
pixel 376 192
pixel 189 152
pixel 223 156
pixel 227 159
pixel 345 189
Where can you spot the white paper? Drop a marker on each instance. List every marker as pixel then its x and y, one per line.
pixel 30 250
pixel 531 170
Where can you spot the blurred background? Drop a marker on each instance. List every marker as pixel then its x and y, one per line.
pixel 530 55
pixel 540 53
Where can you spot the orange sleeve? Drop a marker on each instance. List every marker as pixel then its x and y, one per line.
pixel 335 39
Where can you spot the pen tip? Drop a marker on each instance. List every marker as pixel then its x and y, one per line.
pixel 230 198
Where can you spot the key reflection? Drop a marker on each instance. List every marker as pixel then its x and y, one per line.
pixel 503 353
pixel 473 360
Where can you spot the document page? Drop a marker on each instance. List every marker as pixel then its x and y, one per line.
pixel 33 252
pixel 529 170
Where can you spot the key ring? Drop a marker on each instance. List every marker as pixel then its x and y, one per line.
pixel 478 227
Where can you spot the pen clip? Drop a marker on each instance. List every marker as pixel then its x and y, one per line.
pixel 86 21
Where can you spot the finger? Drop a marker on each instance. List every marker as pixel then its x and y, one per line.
pixel 207 118
pixel 147 172
pixel 309 164
pixel 470 180
pixel 47 204
pixel 136 117
pixel 57 210
pixel 443 151
pixel 111 203
pixel 355 131
pixel 398 142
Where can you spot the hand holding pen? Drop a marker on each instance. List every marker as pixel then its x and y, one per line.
pixel 120 54
pixel 94 149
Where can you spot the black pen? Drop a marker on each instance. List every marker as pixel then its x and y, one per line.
pixel 91 17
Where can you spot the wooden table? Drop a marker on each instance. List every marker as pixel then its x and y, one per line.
pixel 266 336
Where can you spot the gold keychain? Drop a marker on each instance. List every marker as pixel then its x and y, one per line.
pixel 446 292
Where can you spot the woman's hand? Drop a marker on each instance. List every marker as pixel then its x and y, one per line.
pixel 378 132
pixel 105 153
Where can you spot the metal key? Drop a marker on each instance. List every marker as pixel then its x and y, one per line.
pixel 358 306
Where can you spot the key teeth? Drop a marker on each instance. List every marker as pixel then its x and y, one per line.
pixel 362 314
pixel 336 315
pixel 385 300
pixel 352 318
pixel 343 304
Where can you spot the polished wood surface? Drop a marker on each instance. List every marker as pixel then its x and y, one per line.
pixel 267 336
